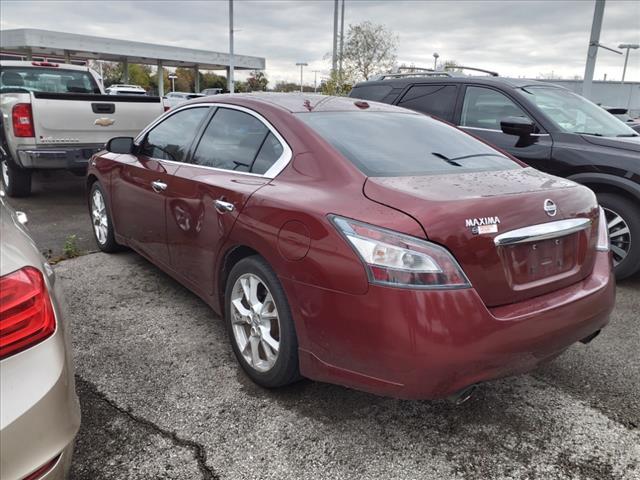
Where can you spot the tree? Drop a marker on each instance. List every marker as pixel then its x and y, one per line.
pixel 286 87
pixel 369 48
pixel 336 84
pixel 212 80
pixel 257 81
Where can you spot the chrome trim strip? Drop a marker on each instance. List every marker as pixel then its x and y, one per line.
pixel 273 171
pixel 542 231
pixel 496 130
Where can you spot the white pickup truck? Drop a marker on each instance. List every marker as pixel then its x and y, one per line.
pixel 56 116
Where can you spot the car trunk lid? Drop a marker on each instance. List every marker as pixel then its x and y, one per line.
pixel 466 212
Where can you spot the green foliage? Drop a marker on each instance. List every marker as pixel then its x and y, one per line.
pixel 212 80
pixel 337 84
pixel 286 87
pixel 257 81
pixel 70 248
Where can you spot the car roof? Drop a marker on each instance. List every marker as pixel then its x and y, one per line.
pixel 303 102
pixel 482 80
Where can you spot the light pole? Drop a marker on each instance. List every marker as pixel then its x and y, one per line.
pixel 230 84
pixel 627 47
pixel 315 81
pixel 435 60
pixel 301 65
pixel 172 77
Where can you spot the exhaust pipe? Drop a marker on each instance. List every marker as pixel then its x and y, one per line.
pixel 588 339
pixel 463 395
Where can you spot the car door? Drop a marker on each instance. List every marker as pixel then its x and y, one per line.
pixel 438 100
pixel 140 187
pixel 483 108
pixel 237 154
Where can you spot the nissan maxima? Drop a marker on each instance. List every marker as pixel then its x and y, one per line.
pixel 358 243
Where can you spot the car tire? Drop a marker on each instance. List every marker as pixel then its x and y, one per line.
pixel 101 220
pixel 16 182
pixel 624 234
pixel 252 336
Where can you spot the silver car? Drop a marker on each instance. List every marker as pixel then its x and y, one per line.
pixel 39 409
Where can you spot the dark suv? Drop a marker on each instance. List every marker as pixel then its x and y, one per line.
pixel 545 126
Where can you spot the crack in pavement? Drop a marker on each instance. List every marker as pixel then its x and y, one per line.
pixel 199 451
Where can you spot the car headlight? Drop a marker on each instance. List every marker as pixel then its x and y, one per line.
pixel 394 259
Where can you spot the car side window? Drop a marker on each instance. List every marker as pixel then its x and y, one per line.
pixel 170 140
pixel 436 100
pixel 485 108
pixel 235 140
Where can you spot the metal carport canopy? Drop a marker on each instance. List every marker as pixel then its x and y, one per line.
pixel 29 41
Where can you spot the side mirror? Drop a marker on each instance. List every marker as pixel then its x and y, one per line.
pixel 519 126
pixel 120 145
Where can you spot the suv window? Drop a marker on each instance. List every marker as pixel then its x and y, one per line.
pixel 436 100
pixel 485 108
pixel 371 92
pixel 389 144
pixel 170 139
pixel 238 141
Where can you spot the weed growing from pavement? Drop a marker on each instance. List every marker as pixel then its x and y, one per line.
pixel 70 248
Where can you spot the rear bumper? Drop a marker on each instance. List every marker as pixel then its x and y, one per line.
pixel 70 158
pixel 431 344
pixel 39 408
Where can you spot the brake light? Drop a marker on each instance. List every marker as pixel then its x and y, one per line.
pixel 22 117
pixel 603 233
pixel 40 472
pixel 394 259
pixel 44 64
pixel 26 313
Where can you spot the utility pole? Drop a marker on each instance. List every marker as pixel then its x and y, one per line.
pixel 594 43
pixel 301 65
pixel 334 58
pixel 231 59
pixel 315 81
pixel 341 42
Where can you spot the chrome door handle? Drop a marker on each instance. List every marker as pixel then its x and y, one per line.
pixel 158 186
pixel 224 207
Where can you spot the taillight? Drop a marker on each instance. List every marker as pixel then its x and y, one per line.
pixel 22 120
pixel 603 233
pixel 26 313
pixel 394 259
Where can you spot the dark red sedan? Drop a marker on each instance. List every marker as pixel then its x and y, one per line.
pixel 358 243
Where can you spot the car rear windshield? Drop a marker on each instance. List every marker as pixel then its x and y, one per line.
pixel 54 80
pixel 386 144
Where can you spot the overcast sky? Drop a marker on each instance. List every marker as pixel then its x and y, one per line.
pixel 516 38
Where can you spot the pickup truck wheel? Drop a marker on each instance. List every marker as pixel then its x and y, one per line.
pixel 101 220
pixel 623 222
pixel 260 325
pixel 15 182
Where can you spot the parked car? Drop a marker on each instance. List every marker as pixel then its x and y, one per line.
pixel 211 91
pixel 39 409
pixel 545 126
pixel 622 114
pixel 358 243
pixel 174 99
pixel 55 116
pixel 121 89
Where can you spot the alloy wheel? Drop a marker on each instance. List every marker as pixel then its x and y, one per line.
pixel 99 217
pixel 619 236
pixel 255 322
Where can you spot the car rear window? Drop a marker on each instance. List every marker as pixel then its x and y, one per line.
pixel 371 92
pixel 385 144
pixel 53 80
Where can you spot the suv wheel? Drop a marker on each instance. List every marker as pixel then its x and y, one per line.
pixel 260 326
pixel 15 182
pixel 623 222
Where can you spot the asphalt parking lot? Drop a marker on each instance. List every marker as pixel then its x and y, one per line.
pixel 162 396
